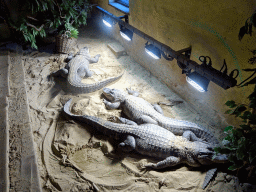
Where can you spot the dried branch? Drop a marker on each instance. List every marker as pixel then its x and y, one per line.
pixel 60 11
pixel 32 18
pixel 38 29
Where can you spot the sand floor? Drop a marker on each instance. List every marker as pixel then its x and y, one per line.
pixel 71 157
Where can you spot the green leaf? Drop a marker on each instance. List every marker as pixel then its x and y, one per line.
pixel 246 115
pixel 245 127
pixel 252 117
pixel 252 104
pixel 251 157
pixel 252 96
pixel 25 36
pixel 217 149
pixel 228 128
pixel 33 45
pixel 238 110
pixel 241 142
pixel 234 167
pixel 242 32
pixel 231 104
pixel 238 133
pixel 228 138
pixel 223 150
pixel 230 111
pixel 253 147
pixel 232 158
pixel 241 151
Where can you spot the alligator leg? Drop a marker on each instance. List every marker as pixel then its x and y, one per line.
pixel 69 57
pixel 158 108
pixel 147 119
pixel 62 72
pixel 95 59
pixel 88 73
pixel 168 162
pixel 133 92
pixel 128 144
pixel 126 121
pixel 189 135
pixel 83 71
pixel 191 162
pixel 110 105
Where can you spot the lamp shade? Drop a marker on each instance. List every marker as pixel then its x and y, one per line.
pixel 107 21
pixel 153 51
pixel 126 34
pixel 198 81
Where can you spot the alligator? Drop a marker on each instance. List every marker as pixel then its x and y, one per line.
pixel 155 141
pixel 140 111
pixel 78 68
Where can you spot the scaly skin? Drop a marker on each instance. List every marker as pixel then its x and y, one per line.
pixel 155 141
pixel 140 111
pixel 77 69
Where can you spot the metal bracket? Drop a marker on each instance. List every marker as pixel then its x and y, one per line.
pixel 125 17
pixel 187 52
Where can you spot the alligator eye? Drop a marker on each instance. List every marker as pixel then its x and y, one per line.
pixel 203 153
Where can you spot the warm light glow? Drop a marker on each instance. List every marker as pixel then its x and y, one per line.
pixel 151 54
pixel 125 36
pixel 195 85
pixel 107 23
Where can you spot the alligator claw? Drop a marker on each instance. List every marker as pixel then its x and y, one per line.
pixel 149 165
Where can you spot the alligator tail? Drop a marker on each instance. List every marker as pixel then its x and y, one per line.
pixel 105 127
pixel 208 177
pixel 88 88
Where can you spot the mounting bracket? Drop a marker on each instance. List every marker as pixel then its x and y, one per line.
pixel 187 53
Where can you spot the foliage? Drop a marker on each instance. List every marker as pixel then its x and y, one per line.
pixel 247 28
pixel 239 144
pixel 30 22
pixel 30 33
pixel 69 16
pixel 39 15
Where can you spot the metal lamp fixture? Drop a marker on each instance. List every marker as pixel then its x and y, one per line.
pixel 126 34
pixel 205 73
pixel 201 75
pixel 198 81
pixel 108 21
pixel 153 51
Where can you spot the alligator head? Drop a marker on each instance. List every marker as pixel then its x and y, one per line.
pixel 114 95
pixel 84 51
pixel 206 155
pixel 211 157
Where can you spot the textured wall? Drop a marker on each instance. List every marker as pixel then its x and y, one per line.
pixel 210 28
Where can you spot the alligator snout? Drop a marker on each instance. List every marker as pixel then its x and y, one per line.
pixel 106 90
pixel 220 158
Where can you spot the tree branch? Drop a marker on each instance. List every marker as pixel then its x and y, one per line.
pixel 33 26
pixel 32 18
